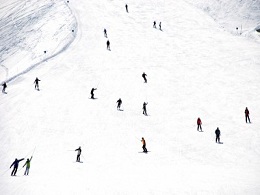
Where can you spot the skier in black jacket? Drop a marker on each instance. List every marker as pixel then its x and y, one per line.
pixel 119 102
pixel 4 87
pixel 37 83
pixel 78 155
pixel 217 132
pixel 15 164
pixel 144 108
pixel 92 92
pixel 144 76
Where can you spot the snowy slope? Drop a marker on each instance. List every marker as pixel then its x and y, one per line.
pixel 31 32
pixel 238 17
pixel 195 69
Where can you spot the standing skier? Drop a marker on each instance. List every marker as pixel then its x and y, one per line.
pixel 37 83
pixel 28 164
pixel 154 24
pixel 78 155
pixel 119 102
pixel 217 132
pixel 144 108
pixel 15 164
pixel 92 92
pixel 160 26
pixel 144 76
pixel 105 32
pixel 247 115
pixel 126 7
pixel 4 87
pixel 108 45
pixel 199 123
pixel 144 145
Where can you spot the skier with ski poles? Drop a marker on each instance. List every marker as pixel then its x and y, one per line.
pixel 144 76
pixel 78 155
pixel 199 123
pixel 37 83
pixel 28 165
pixel 92 92
pixel 119 102
pixel 4 87
pixel 217 132
pixel 144 108
pixel 15 164
pixel 144 145
pixel 247 115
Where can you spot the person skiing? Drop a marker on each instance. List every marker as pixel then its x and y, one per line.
pixel 78 155
pixel 15 164
pixel 105 32
pixel 217 132
pixel 4 87
pixel 144 108
pixel 144 76
pixel 160 26
pixel 154 24
pixel 28 164
pixel 247 115
pixel 119 102
pixel 199 123
pixel 92 92
pixel 144 145
pixel 108 45
pixel 126 7
pixel 37 83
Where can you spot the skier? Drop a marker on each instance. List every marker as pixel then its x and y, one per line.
pixel 28 164
pixel 92 92
pixel 126 7
pixel 199 123
pixel 78 155
pixel 144 76
pixel 15 164
pixel 144 108
pixel 4 87
pixel 105 32
pixel 144 145
pixel 119 102
pixel 37 83
pixel 247 115
pixel 217 132
pixel 160 26
pixel 108 45
pixel 154 24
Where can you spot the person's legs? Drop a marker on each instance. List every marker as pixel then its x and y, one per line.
pixel 15 170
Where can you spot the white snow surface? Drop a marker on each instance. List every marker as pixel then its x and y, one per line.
pixel 195 69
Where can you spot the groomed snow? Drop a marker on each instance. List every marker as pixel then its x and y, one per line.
pixel 195 69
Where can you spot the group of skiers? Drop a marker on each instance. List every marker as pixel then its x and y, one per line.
pixel 36 82
pixel 160 25
pixel 217 132
pixel 15 165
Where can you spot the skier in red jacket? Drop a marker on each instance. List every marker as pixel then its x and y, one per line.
pixel 199 123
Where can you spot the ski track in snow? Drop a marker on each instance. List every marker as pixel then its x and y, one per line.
pixel 194 69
